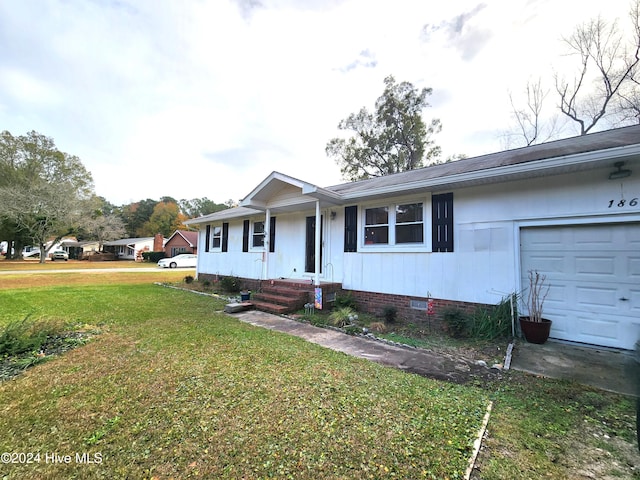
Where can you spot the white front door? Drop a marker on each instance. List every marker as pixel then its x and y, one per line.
pixel 594 274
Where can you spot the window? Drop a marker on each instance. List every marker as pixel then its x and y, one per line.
pixel 216 236
pixel 396 224
pixel 178 250
pixel 409 223
pixel 258 234
pixel 216 239
pixel 376 229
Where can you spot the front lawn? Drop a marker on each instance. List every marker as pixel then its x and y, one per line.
pixel 171 388
pixel 174 388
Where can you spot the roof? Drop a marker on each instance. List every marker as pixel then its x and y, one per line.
pixel 128 241
pixel 559 156
pixel 581 153
pixel 190 237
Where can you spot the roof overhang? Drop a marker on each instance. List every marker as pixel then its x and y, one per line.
pixel 282 193
pixel 532 169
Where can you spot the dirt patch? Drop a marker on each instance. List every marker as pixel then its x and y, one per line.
pixel 593 459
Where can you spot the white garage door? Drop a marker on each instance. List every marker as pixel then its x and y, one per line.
pixel 594 274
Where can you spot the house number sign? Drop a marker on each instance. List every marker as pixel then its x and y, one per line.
pixel 623 203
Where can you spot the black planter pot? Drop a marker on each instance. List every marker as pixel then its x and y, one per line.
pixel 535 332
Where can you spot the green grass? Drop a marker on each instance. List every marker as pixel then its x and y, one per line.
pixel 174 388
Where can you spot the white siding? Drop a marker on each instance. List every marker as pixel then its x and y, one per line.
pixel 485 263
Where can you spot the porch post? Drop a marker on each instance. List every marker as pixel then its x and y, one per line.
pixel 265 258
pixel 316 276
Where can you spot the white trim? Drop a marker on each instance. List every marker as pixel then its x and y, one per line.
pixel 392 246
pixel 580 220
pixel 252 223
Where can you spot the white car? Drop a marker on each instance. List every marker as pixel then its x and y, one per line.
pixel 182 260
pixel 58 255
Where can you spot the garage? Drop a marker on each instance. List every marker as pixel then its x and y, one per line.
pixel 594 275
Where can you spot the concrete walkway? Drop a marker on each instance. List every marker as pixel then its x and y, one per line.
pixel 414 360
pixel 607 369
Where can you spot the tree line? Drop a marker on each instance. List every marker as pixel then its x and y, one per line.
pixel 46 195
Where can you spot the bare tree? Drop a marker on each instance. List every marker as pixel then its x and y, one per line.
pixel 104 228
pixel 530 125
pixel 607 61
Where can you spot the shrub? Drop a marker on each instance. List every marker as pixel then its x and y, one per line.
pixel 345 300
pixel 457 322
pixel 390 313
pixel 153 257
pixel 378 327
pixel 352 330
pixel 230 284
pixel 341 317
pixel 206 283
pixel 493 322
pixel 188 279
pixel 26 335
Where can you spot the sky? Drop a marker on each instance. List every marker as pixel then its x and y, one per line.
pixel 205 98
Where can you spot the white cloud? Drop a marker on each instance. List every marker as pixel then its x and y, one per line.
pixel 194 99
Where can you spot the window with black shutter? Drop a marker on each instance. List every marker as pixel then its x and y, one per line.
pixel 207 238
pixel 351 228
pixel 245 236
pixel 442 222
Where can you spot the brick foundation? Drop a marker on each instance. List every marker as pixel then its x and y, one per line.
pixel 375 303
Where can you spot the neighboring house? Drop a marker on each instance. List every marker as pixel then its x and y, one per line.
pixel 182 241
pixel 62 244
pixel 76 249
pixel 460 233
pixel 129 248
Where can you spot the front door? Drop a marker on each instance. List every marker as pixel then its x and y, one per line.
pixel 310 246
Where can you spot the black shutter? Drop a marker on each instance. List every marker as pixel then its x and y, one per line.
pixel 442 222
pixel 225 237
pixel 245 236
pixel 207 238
pixel 272 234
pixel 351 229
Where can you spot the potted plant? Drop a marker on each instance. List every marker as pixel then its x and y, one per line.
pixel 535 328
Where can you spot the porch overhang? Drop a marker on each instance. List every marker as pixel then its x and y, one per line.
pixel 282 193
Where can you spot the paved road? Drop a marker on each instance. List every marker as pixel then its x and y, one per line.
pixel 96 270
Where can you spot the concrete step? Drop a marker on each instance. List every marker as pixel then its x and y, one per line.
pixel 285 291
pixel 237 307
pixel 271 307
pixel 281 299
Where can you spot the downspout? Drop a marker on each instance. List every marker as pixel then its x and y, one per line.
pixel 267 236
pixel 316 276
